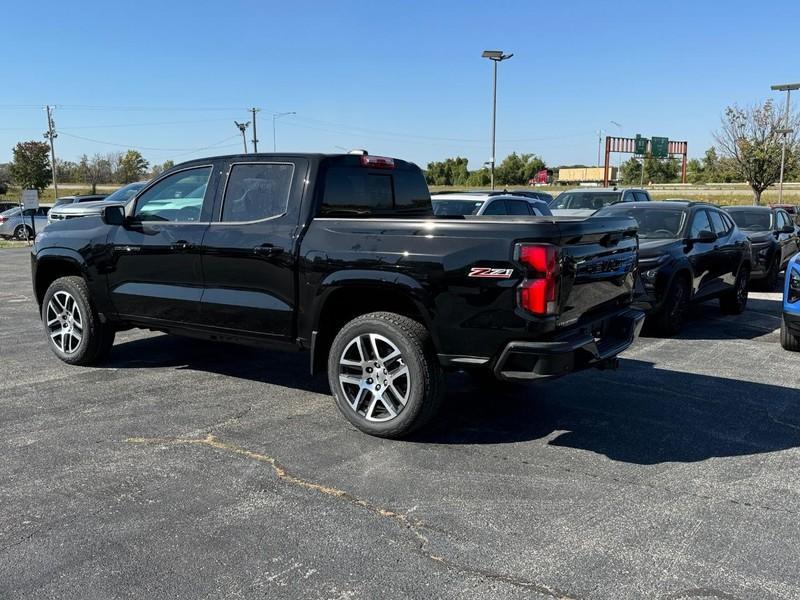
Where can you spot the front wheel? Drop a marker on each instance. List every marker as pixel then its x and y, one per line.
pixel 670 318
pixel 74 330
pixel 733 302
pixel 384 374
pixel 789 341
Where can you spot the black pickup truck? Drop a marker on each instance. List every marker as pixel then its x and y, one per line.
pixel 342 256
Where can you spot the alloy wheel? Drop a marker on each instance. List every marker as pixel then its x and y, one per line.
pixel 374 378
pixel 64 322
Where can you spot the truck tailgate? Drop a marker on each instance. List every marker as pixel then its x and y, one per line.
pixel 599 258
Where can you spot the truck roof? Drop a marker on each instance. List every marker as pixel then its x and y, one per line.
pixel 313 156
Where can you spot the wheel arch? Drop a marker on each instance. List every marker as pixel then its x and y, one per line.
pixel 344 298
pixel 49 266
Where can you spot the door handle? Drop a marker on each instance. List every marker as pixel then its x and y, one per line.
pixel 267 250
pixel 181 245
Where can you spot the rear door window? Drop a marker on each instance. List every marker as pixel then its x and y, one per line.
pixel 497 207
pixel 257 191
pixel 517 207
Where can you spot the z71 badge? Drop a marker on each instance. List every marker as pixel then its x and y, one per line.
pixel 490 273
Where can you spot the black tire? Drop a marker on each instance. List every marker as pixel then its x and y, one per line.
pixel 19 232
pixel 789 341
pixel 96 337
pixel 770 282
pixel 422 387
pixel 669 320
pixel 733 302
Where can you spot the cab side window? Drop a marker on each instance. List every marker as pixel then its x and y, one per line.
pixel 178 197
pixel 641 196
pixel 700 223
pixel 257 191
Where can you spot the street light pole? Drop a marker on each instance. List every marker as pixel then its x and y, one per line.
pixel 495 56
pixel 254 110
pixel 788 87
pixel 275 117
pixel 242 127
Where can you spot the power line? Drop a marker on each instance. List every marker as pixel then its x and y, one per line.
pixel 136 147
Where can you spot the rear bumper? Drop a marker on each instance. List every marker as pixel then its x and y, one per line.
pixel 595 344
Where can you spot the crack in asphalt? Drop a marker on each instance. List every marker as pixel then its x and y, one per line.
pixel 402 519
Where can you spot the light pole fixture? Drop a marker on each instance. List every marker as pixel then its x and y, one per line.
pixel 784 87
pixel 495 56
pixel 243 127
pixel 275 117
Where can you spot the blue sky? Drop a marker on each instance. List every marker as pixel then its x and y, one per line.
pixel 401 79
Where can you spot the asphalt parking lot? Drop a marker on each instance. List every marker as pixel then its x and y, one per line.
pixel 185 469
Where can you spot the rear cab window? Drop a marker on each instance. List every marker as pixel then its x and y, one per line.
pixel 351 189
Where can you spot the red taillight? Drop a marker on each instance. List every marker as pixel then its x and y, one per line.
pixel 538 294
pixel 2 219
pixel 377 162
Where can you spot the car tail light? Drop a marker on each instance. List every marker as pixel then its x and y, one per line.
pixel 2 219
pixel 377 162
pixel 538 293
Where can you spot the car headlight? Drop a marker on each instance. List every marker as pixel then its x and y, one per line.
pixel 763 252
pixel 794 286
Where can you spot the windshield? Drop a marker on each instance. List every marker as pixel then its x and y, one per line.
pixel 752 220
pixel 656 223
pixel 587 200
pixel 126 192
pixel 62 201
pixel 447 208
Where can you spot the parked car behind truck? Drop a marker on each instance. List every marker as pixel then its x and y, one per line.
pixel 688 252
pixel 341 256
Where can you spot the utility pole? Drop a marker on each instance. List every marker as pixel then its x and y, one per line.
pixel 50 135
pixel 242 127
pixel 255 137
pixel 785 131
pixel 599 144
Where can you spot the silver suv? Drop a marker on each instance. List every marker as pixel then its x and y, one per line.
pixel 487 203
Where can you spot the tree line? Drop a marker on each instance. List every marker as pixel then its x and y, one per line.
pixel 31 168
pixel 515 169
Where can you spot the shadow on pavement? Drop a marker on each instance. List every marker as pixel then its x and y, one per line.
pixel 164 351
pixel 706 322
pixel 639 414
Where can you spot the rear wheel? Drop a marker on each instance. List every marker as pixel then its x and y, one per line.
pixel 789 341
pixel 74 330
pixel 23 232
pixel 669 320
pixel 384 374
pixel 733 302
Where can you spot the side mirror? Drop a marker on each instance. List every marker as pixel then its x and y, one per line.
pixel 787 229
pixel 114 215
pixel 705 237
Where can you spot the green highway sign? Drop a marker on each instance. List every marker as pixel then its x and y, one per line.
pixel 660 147
pixel 640 146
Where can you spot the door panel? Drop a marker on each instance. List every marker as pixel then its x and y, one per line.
pixel 155 270
pixel 249 251
pixel 701 255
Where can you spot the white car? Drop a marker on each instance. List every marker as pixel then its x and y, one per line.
pixel 95 207
pixel 487 203
pixel 584 202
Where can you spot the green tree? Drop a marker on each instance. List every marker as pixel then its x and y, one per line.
pixel 479 178
pixel 132 166
pixel 94 170
pixel 451 171
pixel 518 169
pixel 30 168
pixel 630 172
pixel 750 138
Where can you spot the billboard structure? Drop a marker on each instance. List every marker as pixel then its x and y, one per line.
pixel 657 147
